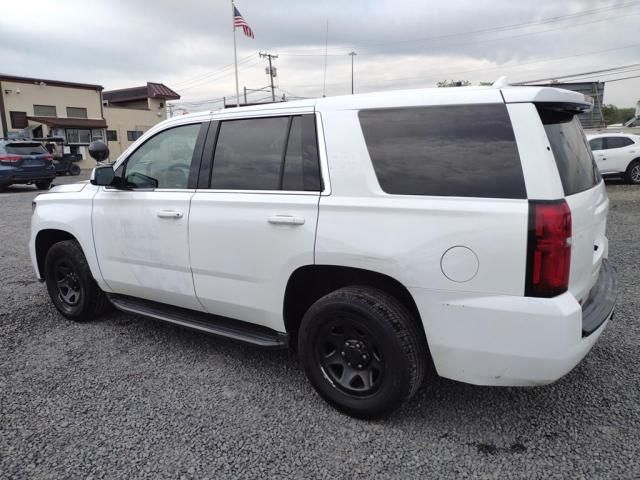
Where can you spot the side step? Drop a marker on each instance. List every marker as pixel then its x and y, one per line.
pixel 204 322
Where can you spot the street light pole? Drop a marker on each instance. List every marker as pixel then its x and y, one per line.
pixel 352 54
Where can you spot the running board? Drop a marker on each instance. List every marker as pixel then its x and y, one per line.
pixel 204 322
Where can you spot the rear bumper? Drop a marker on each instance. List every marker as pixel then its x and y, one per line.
pixel 513 341
pixel 33 176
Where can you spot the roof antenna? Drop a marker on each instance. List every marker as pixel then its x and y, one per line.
pixel 326 45
pixel 500 82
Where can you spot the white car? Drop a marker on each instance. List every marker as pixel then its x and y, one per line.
pixel 617 154
pixel 376 233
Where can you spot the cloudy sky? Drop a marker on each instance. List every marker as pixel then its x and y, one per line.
pixel 188 44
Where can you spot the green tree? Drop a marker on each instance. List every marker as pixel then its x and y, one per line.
pixel 613 114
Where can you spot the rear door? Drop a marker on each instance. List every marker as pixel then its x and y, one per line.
pixel 584 192
pixel 619 153
pixel 254 221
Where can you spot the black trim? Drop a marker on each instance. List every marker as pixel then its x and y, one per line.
pixel 3 115
pixel 196 158
pixel 601 301
pixel 206 166
pixel 284 152
pixel 204 322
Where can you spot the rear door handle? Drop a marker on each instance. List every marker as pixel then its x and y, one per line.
pixel 169 214
pixel 286 220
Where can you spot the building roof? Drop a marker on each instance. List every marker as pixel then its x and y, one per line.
pixel 151 90
pixel 53 83
pixel 71 122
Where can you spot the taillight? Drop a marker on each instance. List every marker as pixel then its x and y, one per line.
pixel 47 156
pixel 548 249
pixel 10 158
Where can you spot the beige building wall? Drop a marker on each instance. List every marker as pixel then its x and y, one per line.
pixel 123 120
pixel 60 97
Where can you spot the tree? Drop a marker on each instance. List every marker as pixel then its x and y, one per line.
pixel 453 83
pixel 613 114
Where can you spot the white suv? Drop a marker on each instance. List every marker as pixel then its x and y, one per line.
pixel 617 154
pixel 378 234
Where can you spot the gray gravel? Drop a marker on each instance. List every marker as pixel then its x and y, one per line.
pixel 126 397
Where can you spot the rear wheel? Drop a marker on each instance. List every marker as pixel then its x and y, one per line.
pixel 74 170
pixel 362 351
pixel 44 185
pixel 632 175
pixel 71 286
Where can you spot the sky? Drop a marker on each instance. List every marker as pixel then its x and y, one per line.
pixel 188 44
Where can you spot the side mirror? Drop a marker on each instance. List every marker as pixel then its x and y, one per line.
pixel 98 151
pixel 102 176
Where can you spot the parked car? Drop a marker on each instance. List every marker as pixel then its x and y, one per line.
pixel 617 154
pixel 25 162
pixel 376 233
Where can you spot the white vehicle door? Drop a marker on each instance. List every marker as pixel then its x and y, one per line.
pixel 141 227
pixel 254 223
pixel 599 154
pixel 618 153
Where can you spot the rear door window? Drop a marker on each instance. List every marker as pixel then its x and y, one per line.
pixel 597 143
pixel 270 153
pixel 618 142
pixel 25 149
pixel 570 148
pixel 459 150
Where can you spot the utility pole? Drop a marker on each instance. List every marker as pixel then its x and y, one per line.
pixel 271 72
pixel 352 54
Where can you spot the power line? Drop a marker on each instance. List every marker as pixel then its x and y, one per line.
pixel 607 70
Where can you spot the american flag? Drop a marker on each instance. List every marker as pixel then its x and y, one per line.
pixel 238 21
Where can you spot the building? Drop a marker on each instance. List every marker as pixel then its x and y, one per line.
pixel 35 108
pixel 129 112
pixel 593 118
pixel 80 113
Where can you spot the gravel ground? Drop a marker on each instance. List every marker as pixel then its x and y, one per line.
pixel 126 397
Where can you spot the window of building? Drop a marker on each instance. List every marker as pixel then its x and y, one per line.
pixel 272 153
pixel 78 135
pixel 97 134
pixel 133 135
pixel 163 161
pixel 459 150
pixel 18 119
pixel 112 135
pixel 76 112
pixel 44 111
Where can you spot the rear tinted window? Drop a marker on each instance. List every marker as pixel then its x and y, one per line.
pixel 273 153
pixel 570 149
pixel 618 142
pixel 25 148
pixel 461 150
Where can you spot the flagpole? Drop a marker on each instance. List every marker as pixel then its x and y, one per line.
pixel 235 54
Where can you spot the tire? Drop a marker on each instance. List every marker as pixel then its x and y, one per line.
pixel 362 324
pixel 632 175
pixel 44 185
pixel 70 284
pixel 74 170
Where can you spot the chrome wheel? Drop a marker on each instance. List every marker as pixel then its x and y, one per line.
pixel 69 287
pixel 635 173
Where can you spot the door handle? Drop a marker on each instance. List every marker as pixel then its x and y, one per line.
pixel 169 214
pixel 286 220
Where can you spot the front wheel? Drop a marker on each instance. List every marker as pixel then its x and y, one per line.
pixel 632 175
pixel 362 351
pixel 71 286
pixel 74 170
pixel 44 185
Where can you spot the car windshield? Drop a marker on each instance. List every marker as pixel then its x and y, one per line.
pixel 25 149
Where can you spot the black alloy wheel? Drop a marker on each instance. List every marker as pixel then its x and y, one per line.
pixel 349 355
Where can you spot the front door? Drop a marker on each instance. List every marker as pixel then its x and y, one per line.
pixel 256 223
pixel 141 229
